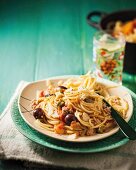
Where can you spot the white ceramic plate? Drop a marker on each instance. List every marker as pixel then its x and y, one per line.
pixel 29 92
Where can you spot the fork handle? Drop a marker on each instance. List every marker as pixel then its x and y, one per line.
pixel 124 126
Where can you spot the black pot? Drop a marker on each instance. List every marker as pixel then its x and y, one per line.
pixel 105 19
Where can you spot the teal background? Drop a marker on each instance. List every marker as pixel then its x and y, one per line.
pixel 43 38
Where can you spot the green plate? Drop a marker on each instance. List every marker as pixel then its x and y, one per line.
pixel 108 143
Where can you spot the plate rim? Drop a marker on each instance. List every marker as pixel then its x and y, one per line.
pixel 116 129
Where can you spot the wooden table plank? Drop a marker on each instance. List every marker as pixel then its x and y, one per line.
pixel 59 51
pixel 46 38
pixel 18 44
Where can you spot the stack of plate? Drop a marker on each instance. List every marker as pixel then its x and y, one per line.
pixel 24 121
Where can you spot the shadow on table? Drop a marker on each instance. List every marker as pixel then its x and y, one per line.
pixel 21 165
pixel 129 81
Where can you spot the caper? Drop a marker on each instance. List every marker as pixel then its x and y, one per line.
pixel 61 104
pixel 62 87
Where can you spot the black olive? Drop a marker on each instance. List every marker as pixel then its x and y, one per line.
pixel 69 118
pixel 98 93
pixel 43 119
pixel 62 87
pixel 38 113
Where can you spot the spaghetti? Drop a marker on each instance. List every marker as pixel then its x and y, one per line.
pixel 76 107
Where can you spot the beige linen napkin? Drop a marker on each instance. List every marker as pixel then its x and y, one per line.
pixel 13 145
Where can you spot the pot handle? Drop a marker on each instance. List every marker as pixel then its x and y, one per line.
pixel 94 23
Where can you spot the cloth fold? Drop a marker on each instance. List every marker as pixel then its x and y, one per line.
pixel 15 146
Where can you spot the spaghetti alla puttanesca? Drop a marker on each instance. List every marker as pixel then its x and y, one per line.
pixel 75 107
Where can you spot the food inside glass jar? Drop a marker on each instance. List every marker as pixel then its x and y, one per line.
pixel 108 53
pixel 128 29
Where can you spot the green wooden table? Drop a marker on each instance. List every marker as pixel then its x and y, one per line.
pixel 39 39
pixel 43 38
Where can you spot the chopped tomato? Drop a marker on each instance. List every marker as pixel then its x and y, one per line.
pixel 41 94
pixel 59 129
pixel 103 53
pixel 76 125
pixel 62 116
